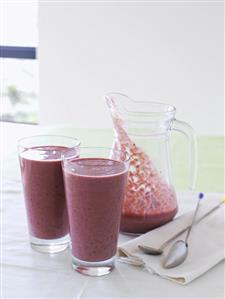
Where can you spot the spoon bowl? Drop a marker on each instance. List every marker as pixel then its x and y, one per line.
pixel 150 250
pixel 176 255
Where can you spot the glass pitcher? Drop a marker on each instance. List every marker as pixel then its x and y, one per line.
pixel 143 128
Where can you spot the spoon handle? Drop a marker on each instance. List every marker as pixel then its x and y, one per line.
pixel 201 195
pixel 164 245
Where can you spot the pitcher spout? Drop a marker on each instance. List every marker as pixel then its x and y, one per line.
pixel 141 117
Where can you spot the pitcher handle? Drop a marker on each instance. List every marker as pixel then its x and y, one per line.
pixel 188 131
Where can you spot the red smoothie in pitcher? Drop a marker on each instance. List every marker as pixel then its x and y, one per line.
pixel 94 191
pixel 44 191
pixel 149 200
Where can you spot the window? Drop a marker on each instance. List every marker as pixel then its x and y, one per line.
pixel 18 63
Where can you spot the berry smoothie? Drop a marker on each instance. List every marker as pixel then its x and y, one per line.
pixel 44 191
pixel 149 201
pixel 94 192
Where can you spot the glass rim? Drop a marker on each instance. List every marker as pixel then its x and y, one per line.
pixel 19 141
pixel 128 156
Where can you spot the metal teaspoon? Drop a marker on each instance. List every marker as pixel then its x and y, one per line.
pixel 179 250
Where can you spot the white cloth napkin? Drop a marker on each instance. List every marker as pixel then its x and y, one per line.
pixel 206 244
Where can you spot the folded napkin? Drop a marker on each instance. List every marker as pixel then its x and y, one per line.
pixel 205 244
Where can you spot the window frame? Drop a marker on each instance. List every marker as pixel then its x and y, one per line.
pixel 17 52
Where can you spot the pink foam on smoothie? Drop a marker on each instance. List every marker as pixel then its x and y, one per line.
pixel 96 167
pixel 149 200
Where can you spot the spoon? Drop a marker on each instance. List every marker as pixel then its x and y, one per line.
pixel 157 251
pixel 179 250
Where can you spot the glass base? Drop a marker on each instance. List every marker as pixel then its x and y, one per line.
pixel 93 268
pixel 131 234
pixel 49 246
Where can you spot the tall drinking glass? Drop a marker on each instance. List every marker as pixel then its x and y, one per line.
pixel 41 171
pixel 95 186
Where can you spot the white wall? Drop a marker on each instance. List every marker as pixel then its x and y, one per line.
pixel 171 52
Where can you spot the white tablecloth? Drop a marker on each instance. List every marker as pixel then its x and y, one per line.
pixel 28 274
